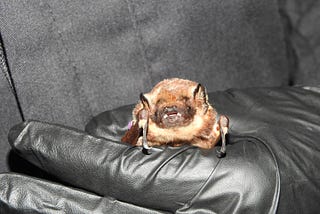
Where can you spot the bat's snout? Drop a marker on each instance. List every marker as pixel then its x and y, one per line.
pixel 171 113
pixel 172 116
pixel 170 109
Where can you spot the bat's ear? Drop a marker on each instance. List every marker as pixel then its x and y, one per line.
pixel 200 94
pixel 144 101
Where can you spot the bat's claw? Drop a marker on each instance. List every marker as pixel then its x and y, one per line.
pixel 221 154
pixel 146 148
pixel 224 127
pixel 146 151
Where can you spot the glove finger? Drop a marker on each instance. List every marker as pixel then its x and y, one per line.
pixel 22 194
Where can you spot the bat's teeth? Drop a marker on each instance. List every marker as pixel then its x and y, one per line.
pixel 179 115
pixel 165 116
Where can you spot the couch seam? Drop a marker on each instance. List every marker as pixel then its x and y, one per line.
pixel 4 67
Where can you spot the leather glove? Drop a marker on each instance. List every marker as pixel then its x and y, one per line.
pixel 100 175
pixel 94 173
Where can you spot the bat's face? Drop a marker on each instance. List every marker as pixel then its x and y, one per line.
pixel 176 111
pixel 175 103
pixel 173 110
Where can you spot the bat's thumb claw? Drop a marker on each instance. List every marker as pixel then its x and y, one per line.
pixel 146 148
pixel 146 151
pixel 220 154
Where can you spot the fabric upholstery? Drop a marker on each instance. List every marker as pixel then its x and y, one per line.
pixel 301 21
pixel 9 117
pixel 72 60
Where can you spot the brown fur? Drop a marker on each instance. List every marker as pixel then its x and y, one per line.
pixel 177 111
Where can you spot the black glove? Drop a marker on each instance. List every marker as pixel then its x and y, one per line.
pixel 273 133
pixel 101 175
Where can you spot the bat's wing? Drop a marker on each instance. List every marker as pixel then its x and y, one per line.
pixel 132 135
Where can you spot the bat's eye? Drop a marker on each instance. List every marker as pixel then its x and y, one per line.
pixel 184 98
pixel 160 101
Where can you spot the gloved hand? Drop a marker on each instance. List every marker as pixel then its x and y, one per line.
pixel 101 175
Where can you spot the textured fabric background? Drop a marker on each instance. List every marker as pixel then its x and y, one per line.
pixel 302 20
pixel 71 60
pixel 9 116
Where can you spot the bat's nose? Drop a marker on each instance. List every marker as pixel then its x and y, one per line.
pixel 170 108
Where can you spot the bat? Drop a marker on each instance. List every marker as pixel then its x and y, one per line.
pixel 175 112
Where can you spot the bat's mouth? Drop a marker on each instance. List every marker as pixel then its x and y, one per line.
pixel 172 116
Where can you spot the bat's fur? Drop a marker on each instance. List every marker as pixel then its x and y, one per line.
pixel 176 111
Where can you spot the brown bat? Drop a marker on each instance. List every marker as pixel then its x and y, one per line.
pixel 175 112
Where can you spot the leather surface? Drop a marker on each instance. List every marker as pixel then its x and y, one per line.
pixel 272 160
pixel 171 179
pixel 31 195
pixel 287 120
